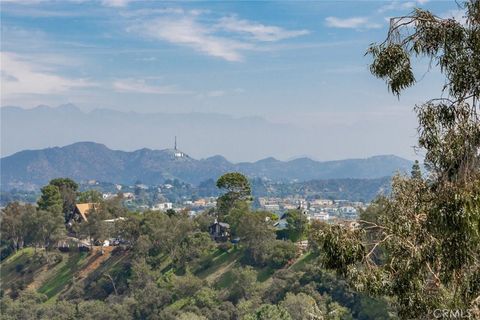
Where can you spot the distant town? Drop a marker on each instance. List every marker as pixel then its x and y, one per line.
pixel 136 198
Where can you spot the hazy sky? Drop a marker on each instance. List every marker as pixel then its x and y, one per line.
pixel 299 63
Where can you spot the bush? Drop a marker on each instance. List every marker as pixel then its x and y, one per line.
pixel 54 258
pixel 282 252
pixel 225 246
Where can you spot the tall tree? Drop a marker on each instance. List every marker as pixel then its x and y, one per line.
pixel 193 248
pixel 15 223
pixel 68 190
pixel 297 224
pixel 416 172
pixel 428 230
pixel 51 199
pixel 48 228
pixel 237 187
pixel 257 236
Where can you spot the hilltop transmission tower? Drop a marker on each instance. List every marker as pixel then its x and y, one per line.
pixel 177 153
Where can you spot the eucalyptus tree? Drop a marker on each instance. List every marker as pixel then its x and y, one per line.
pixel 421 246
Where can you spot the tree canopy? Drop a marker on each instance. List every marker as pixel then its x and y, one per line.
pixel 238 189
pixel 421 245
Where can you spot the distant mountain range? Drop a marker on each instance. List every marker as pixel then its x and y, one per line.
pixel 200 133
pixel 84 161
pixel 238 138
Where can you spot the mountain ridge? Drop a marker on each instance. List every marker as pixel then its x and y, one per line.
pixel 88 160
pixel 201 133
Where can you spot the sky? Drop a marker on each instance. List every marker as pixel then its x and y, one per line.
pixel 295 63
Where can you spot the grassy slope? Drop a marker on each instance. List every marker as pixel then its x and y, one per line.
pixel 22 268
pixel 62 275
pixel 76 266
pixel 19 269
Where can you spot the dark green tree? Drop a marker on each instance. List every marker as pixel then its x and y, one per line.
pixel 68 191
pixel 297 224
pixel 281 253
pixel 192 248
pixel 257 236
pixel 416 172
pixel 237 189
pixel 244 284
pixel 51 199
pixel 89 196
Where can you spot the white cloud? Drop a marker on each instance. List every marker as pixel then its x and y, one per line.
pixel 401 5
pixel 20 75
pixel 187 31
pixel 140 86
pixel 258 31
pixel 223 38
pixel 22 1
pixel 219 93
pixel 351 23
pixel 116 3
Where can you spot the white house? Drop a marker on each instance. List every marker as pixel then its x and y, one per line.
pixel 163 206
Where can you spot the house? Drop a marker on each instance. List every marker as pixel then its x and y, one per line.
pixel 322 216
pixel 81 212
pixel 163 206
pixel 219 231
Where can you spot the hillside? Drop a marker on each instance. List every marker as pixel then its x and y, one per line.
pixel 84 161
pixel 65 272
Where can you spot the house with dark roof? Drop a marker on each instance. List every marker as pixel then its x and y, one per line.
pixel 219 231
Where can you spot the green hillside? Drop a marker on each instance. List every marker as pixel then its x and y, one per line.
pixel 166 265
pixel 54 274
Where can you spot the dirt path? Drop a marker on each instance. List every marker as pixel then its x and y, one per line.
pixel 38 279
pixel 98 259
pixel 219 272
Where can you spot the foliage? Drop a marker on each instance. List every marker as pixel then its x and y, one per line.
pixel 268 311
pixel 257 235
pixel 68 191
pixel 281 253
pixel 338 246
pixel 89 196
pixel 237 187
pixel 301 306
pixel 51 199
pixel 15 224
pixel 195 246
pixel 48 228
pixel 96 229
pixel 297 224
pixel 244 284
pixel 166 268
pixel 420 246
